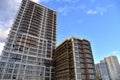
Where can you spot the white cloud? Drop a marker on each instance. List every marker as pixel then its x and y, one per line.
pixel 4 34
pixel 46 1
pixel 92 11
pixel 97 10
pixel 1 47
pixel 64 10
pixel 68 1
pixel 35 1
pixel 8 10
pixel 101 10
pixel 115 52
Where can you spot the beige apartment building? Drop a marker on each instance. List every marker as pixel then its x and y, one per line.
pixel 113 67
pixel 109 68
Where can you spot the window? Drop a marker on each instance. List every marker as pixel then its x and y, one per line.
pixel 78 70
pixel 90 70
pixel 32 58
pixel 7 76
pixel 90 65
pixel 81 60
pixel 89 60
pixel 76 49
pixel 92 77
pixel 83 77
pixel 24 57
pixel 14 77
pixel 47 69
pixel 77 65
pixel 88 56
pixel 17 66
pixel 32 53
pixel 1 75
pixel 15 71
pixel 1 70
pixel 2 64
pixel 82 71
pixel 10 65
pixel 4 58
pixel 82 65
pixel 33 50
pixel 77 54
pixel 47 74
pixel 5 54
pixel 87 51
pixel 22 66
pixel 22 71
pixel 15 56
pixel 8 70
pixel 77 59
pixel 47 78
pixel 78 76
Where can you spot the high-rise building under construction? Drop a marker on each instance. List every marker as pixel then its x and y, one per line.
pixel 27 54
pixel 74 60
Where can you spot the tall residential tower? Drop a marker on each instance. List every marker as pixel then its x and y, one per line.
pixel 109 68
pixel 102 71
pixel 74 60
pixel 113 67
pixel 27 54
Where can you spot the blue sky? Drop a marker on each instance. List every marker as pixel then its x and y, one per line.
pixel 95 20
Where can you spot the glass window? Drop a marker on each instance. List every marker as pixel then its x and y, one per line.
pixel 92 77
pixel 47 74
pixel 7 76
pixel 83 77
pixel 89 60
pixel 47 78
pixel 2 64
pixel 77 54
pixel 81 60
pixel 77 59
pixel 15 71
pixel 5 53
pixel 90 65
pixel 1 75
pixel 17 66
pixel 91 71
pixel 82 65
pixel 87 51
pixel 78 76
pixel 8 70
pixel 24 57
pixel 1 70
pixel 10 65
pixel 82 71
pixel 88 55
pixel 77 65
pixel 78 70
pixel 47 69
pixel 32 58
